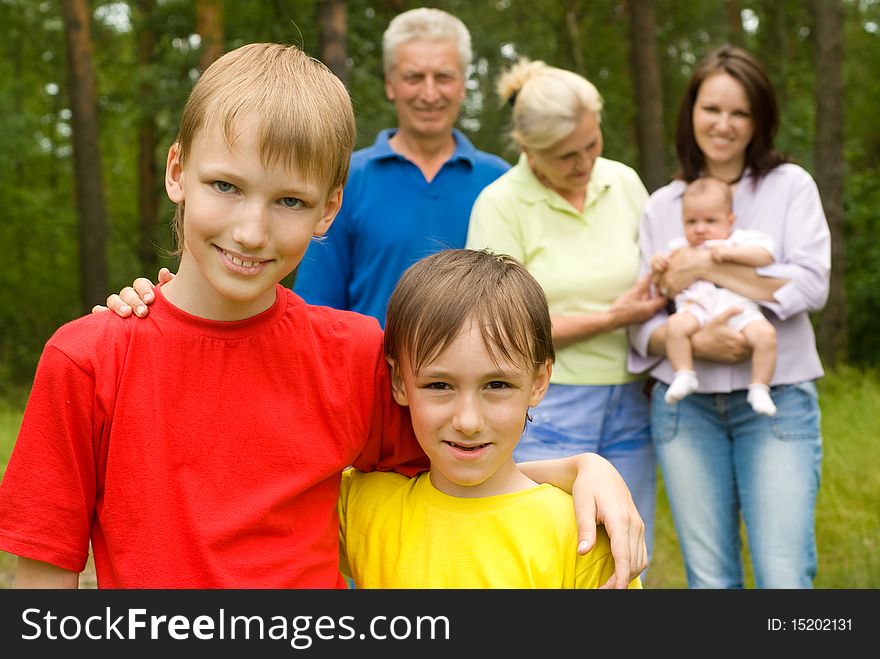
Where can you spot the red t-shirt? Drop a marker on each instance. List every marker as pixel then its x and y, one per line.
pixel 201 454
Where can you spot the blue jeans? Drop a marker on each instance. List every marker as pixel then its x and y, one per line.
pixel 720 459
pixel 611 420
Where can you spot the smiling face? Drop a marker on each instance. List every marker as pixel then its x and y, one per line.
pixel 246 225
pixel 469 412
pixel 427 86
pixel 723 125
pixel 567 166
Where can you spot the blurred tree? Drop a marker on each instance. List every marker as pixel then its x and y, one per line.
pixel 209 27
pixel 862 179
pixel 828 21
pixel 332 34
pixel 648 96
pixel 734 22
pixel 86 154
pixel 148 184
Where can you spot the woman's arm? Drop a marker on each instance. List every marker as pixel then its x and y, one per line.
pixel 688 264
pixel 635 306
pixel 600 496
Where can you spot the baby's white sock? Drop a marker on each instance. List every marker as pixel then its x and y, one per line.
pixel 759 399
pixel 683 384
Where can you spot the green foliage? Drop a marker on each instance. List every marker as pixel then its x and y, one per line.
pixel 861 201
pixel 36 186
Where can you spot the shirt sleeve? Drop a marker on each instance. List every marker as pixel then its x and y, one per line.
pixel 804 255
pixel 392 444
pixel 48 493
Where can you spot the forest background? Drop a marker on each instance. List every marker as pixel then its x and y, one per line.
pixel 91 93
pixel 90 96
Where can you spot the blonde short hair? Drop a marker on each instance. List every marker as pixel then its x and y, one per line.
pixel 548 103
pixel 305 114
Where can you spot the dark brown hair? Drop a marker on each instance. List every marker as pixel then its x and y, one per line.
pixel 761 155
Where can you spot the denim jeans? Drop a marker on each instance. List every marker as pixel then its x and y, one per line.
pixel 611 420
pixel 720 460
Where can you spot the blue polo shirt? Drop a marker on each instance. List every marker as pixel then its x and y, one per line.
pixel 390 218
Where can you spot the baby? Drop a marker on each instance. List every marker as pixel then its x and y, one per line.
pixel 708 223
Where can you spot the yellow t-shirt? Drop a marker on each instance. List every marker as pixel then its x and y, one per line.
pixel 398 532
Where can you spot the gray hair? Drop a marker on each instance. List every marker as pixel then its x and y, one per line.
pixel 547 102
pixel 424 24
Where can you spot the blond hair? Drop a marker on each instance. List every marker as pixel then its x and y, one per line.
pixel 439 295
pixel 548 103
pixel 304 112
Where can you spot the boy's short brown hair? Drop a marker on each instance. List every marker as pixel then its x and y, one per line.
pixel 306 117
pixel 437 296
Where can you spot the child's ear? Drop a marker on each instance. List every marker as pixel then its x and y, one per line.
pixel 397 388
pixel 174 174
pixel 331 208
pixel 541 383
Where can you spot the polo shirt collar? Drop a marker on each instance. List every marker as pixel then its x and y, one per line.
pixel 464 150
pixel 532 191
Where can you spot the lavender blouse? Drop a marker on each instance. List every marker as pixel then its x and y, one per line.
pixel 785 204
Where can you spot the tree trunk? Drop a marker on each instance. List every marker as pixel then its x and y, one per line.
pixel 649 102
pixel 734 22
pixel 572 27
pixel 828 14
pixel 86 154
pixel 209 26
pixel 147 179
pixel 333 35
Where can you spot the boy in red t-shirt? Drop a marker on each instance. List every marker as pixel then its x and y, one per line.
pixel 203 447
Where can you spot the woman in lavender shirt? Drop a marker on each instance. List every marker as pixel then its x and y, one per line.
pixel 719 458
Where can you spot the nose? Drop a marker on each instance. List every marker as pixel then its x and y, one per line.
pixel 468 415
pixel 430 91
pixel 252 226
pixel 585 159
pixel 723 121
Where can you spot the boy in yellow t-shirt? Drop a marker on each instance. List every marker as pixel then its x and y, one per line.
pixel 468 338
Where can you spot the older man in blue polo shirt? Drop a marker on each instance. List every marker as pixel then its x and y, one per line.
pixel 410 193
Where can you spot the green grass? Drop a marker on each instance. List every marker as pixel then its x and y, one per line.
pixel 848 509
pixel 10 420
pixel 848 506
